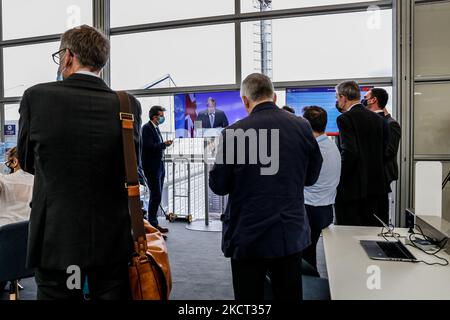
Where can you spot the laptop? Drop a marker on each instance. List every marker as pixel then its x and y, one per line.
pixel 387 250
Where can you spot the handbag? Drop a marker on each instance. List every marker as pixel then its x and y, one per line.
pixel 149 268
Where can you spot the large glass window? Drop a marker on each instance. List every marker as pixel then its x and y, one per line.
pixel 191 56
pixel 250 47
pixel 25 66
pixel 28 18
pixel 350 45
pixel 163 101
pixel 431 119
pixel 254 5
pixel 144 11
pixel 432 45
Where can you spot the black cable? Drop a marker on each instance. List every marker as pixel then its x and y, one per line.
pixel 440 244
pixel 446 180
pixel 389 233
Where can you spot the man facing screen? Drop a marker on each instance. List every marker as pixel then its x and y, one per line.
pixel 212 117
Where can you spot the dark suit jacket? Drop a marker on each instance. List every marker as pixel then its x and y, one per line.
pixel 362 146
pixel 265 215
pixel 391 165
pixel 152 150
pixel 220 120
pixel 70 138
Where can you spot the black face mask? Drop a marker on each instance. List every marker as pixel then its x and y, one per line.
pixel 341 110
pixel 364 103
pixel 8 165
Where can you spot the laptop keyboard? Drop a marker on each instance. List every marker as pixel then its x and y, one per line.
pixel 393 250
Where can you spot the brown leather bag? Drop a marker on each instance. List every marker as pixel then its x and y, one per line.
pixel 149 269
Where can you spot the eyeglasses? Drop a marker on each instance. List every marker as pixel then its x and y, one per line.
pixel 57 55
pixel 7 163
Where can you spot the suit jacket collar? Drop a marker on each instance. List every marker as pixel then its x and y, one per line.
pixel 264 106
pixel 152 124
pixel 356 106
pixel 94 81
pixel 381 114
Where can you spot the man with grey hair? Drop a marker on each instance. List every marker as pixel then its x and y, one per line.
pixel 265 227
pixel 362 143
pixel 70 137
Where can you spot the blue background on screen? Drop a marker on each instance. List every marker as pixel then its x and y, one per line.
pixel 228 101
pixel 324 97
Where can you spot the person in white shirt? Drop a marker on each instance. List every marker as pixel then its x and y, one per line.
pixel 16 190
pixel 319 198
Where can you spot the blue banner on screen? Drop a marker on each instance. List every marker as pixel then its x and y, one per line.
pixel 206 114
pixel 324 97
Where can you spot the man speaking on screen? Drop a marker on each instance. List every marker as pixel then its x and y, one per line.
pixel 212 117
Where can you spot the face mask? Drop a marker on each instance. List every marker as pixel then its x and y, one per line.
pixel 59 75
pixel 9 168
pixel 338 107
pixel 364 103
pixel 161 120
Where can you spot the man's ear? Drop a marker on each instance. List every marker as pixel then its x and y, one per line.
pixel 275 97
pixel 69 59
pixel 246 102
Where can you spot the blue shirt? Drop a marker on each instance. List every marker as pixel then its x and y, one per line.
pixel 323 192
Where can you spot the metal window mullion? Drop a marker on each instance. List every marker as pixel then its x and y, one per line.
pixel 2 82
pixel 404 88
pixel 238 44
pixel 101 21
pixel 379 81
pixel 30 40
pixel 252 16
pixel 425 2
pixel 141 93
pixel 432 79
pixel 432 157
pixel 231 18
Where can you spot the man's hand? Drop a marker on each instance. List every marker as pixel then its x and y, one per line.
pixel 168 143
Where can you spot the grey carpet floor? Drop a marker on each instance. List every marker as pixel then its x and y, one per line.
pixel 199 269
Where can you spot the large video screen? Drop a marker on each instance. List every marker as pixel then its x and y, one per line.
pixel 206 114
pixel 324 97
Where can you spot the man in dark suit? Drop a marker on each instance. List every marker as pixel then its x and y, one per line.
pixel 212 117
pixel 70 137
pixel 265 227
pixel 153 146
pixel 362 188
pixel 376 100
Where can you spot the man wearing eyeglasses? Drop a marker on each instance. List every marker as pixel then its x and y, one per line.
pixel 70 138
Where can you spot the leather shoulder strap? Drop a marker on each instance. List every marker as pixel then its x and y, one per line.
pixel 126 117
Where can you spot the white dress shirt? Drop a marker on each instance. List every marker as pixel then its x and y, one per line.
pixel 16 190
pixel 89 73
pixel 323 192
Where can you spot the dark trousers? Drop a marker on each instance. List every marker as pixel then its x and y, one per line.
pixel 361 212
pixel 319 218
pixel 155 180
pixel 249 277
pixel 107 283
